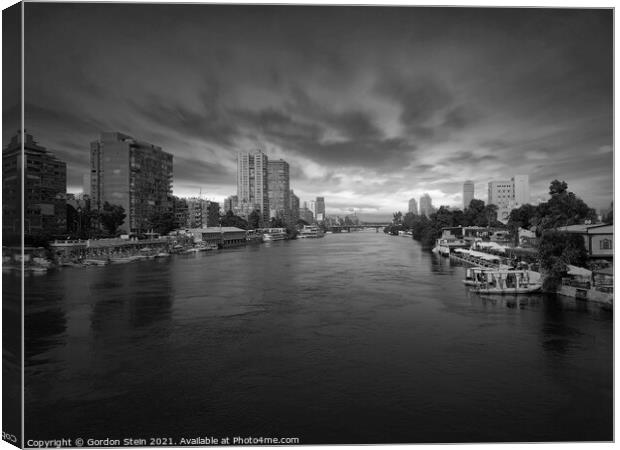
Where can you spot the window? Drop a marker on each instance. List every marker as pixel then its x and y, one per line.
pixel 605 244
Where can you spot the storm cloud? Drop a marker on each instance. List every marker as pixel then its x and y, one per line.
pixel 369 105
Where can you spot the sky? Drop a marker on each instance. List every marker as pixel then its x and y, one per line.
pixel 370 106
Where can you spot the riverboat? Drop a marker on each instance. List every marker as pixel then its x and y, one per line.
pixel 275 234
pixel 445 246
pixel 504 281
pixel 311 231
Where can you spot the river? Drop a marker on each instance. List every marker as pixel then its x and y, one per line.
pixel 353 338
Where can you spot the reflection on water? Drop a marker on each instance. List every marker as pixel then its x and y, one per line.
pixel 351 338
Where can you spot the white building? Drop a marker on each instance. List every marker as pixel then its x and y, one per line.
pixel 252 183
pixel 508 195
pixel 413 206
pixel 468 193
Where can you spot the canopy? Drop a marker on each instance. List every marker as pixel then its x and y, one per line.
pixel 574 270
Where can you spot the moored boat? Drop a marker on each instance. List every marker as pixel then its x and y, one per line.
pixel 311 231
pixel 504 281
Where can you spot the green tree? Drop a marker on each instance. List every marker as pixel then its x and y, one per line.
pixel 563 208
pixel 231 220
pixel 397 218
pixel 162 223
pixel 521 217
pixel 555 251
pixel 254 219
pixel 112 217
pixel 474 214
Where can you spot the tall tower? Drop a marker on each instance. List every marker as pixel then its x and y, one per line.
pixel 278 184
pixel 413 206
pixel 294 207
pixel 426 205
pixel 252 184
pixel 521 189
pixel 468 193
pixel 133 174
pixel 320 208
pixel 44 188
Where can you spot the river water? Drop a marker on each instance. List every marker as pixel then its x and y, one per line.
pixel 353 338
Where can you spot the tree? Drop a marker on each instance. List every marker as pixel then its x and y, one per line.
pixel 397 218
pixel 521 217
pixel 563 208
pixel 473 215
pixel 162 223
pixel 555 251
pixel 112 217
pixel 409 220
pixel 254 219
pixel 231 220
pixel 557 187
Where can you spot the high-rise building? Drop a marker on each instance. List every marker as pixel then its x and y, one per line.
pixel 468 193
pixel 133 174
pixel 319 207
pixel 294 207
pixel 413 206
pixel 180 210
pixel 509 194
pixel 44 204
pixel 230 204
pixel 426 205
pixel 311 205
pixel 252 184
pixel 521 188
pixel 500 193
pixel 306 214
pixel 279 189
pixel 86 184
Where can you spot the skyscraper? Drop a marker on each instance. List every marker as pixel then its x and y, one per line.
pixel 413 206
pixel 45 186
pixel 320 208
pixel 294 207
pixel 521 188
pixel 279 189
pixel 426 205
pixel 252 184
pixel 133 174
pixel 509 194
pixel 468 193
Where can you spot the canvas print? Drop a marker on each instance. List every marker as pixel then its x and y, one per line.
pixel 230 224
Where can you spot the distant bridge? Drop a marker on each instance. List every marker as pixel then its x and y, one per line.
pixel 365 225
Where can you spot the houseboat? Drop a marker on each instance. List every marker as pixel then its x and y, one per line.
pixel 274 234
pixel 311 231
pixel 504 281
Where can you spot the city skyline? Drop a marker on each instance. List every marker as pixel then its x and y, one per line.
pixel 434 95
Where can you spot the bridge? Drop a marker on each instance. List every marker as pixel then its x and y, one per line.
pixel 379 226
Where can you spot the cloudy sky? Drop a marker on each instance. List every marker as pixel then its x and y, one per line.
pixel 369 105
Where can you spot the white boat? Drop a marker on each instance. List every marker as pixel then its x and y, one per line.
pixel 275 234
pixel 444 246
pixel 504 281
pixel 311 231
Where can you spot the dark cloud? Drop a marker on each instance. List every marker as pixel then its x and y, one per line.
pixel 412 95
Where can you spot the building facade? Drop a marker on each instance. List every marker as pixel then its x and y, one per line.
pixel 468 193
pixel 230 204
pixel 278 183
pixel 45 188
pixel 133 174
pixel 508 195
pixel 294 207
pixel 413 206
pixel 426 205
pixel 320 209
pixel 252 184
